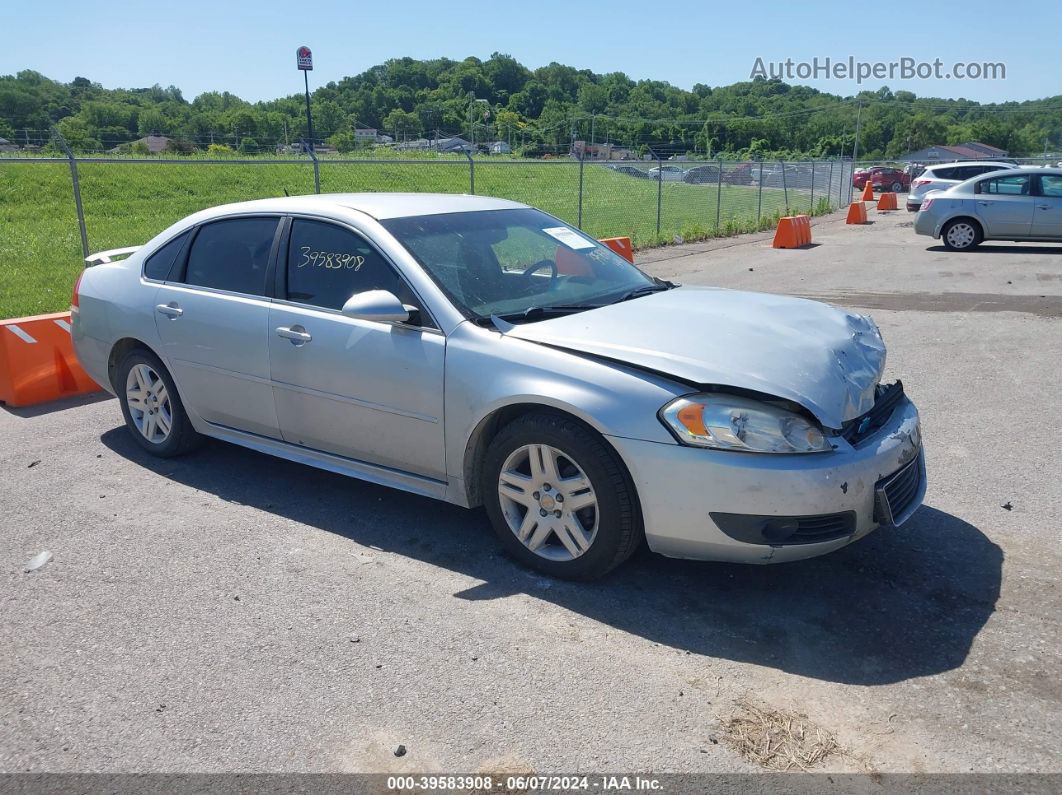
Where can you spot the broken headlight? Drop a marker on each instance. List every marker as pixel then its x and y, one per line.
pixel 730 422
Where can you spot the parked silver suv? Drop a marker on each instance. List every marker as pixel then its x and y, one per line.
pixel 943 175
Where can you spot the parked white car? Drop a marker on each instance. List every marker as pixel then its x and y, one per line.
pixel 667 173
pixel 943 175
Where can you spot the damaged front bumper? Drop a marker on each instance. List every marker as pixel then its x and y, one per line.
pixel 754 508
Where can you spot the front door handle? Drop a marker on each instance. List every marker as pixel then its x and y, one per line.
pixel 1044 206
pixel 984 204
pixel 297 334
pixel 170 310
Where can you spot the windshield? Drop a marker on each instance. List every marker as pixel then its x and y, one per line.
pixel 511 262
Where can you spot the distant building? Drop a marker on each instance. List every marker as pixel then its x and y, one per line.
pixel 365 135
pixel 971 150
pixel 7 146
pixel 501 148
pixel 454 144
pixel 600 151
pixel 153 143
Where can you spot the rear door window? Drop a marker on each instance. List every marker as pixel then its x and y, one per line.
pixel 1017 185
pixel 943 173
pixel 327 264
pixel 232 255
pixel 158 265
pixel 1051 185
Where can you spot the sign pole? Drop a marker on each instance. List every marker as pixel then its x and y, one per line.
pixel 309 116
pixel 304 59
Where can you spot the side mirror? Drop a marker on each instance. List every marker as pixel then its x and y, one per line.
pixel 379 305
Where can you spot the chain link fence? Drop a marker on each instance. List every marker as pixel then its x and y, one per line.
pixel 57 210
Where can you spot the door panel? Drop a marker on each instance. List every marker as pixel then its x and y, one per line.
pixel 360 389
pixel 1047 212
pixel 217 350
pixel 213 319
pixel 1005 205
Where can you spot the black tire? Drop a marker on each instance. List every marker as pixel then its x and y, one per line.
pixel 897 187
pixel 961 242
pixel 619 525
pixel 182 437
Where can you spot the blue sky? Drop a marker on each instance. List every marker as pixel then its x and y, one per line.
pixel 249 48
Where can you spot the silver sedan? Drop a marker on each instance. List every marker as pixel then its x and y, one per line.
pixel 1016 204
pixel 482 352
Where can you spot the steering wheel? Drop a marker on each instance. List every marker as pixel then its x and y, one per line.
pixel 544 263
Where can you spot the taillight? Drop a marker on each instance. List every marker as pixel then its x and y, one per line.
pixel 922 181
pixel 75 299
pixel 925 204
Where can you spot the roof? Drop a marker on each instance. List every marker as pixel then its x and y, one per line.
pixel 982 149
pixel 964 151
pixel 970 163
pixel 967 186
pixel 154 143
pixel 378 205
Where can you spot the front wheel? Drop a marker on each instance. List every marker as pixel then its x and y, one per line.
pixel 961 235
pixel 152 408
pixel 559 498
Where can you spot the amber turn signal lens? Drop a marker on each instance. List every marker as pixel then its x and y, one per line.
pixel 692 418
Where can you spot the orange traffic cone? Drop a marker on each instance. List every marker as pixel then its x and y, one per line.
pixel 793 231
pixel 887 201
pixel 868 191
pixel 857 213
pixel 37 361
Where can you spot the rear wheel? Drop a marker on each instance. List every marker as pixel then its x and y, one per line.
pixel 962 234
pixel 896 187
pixel 152 408
pixel 559 498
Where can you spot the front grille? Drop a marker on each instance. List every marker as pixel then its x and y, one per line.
pixel 812 529
pixel 862 428
pixel 894 494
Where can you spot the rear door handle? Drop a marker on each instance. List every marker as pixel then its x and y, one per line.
pixel 170 310
pixel 297 334
pixel 984 204
pixel 1044 206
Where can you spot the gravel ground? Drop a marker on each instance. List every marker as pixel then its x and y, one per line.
pixel 231 612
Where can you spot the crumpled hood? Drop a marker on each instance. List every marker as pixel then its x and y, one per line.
pixel 826 359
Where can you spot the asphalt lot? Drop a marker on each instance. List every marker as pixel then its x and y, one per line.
pixel 231 612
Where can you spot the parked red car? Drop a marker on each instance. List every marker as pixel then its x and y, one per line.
pixel 882 178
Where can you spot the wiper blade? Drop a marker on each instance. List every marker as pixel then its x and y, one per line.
pixel 647 289
pixel 540 311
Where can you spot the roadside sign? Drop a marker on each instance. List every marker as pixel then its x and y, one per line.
pixel 304 58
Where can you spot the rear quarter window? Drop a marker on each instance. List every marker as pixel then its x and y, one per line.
pixel 158 265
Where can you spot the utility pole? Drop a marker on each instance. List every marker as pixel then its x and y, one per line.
pixel 471 123
pixel 855 146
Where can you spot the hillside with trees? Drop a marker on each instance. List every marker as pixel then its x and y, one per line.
pixel 538 111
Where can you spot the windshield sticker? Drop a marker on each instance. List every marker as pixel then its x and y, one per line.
pixel 568 237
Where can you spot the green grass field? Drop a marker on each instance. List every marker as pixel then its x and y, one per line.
pixel 128 203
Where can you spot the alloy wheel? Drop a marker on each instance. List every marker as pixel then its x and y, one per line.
pixel 548 502
pixel 149 403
